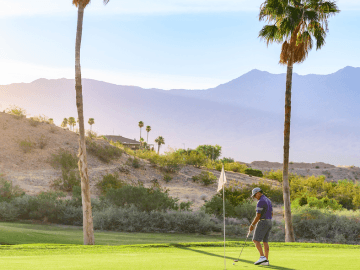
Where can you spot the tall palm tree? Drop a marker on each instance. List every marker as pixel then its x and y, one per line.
pixel 88 230
pixel 294 23
pixel 148 129
pixel 91 122
pixel 72 122
pixel 159 140
pixel 141 124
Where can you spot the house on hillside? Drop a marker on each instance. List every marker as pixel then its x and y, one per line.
pixel 132 144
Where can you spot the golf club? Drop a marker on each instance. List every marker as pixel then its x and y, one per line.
pixel 243 247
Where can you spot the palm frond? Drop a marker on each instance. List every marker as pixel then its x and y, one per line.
pixel 82 3
pixel 270 34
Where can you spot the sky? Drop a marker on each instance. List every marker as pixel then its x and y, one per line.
pixel 167 44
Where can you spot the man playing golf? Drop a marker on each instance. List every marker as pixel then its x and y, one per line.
pixel 263 223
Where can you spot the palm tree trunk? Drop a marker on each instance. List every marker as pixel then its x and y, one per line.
pixel 147 138
pixel 289 231
pixel 140 133
pixel 88 230
pixel 158 149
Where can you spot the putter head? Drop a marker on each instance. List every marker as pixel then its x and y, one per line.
pixel 235 260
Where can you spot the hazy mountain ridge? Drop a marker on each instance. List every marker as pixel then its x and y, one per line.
pixel 242 115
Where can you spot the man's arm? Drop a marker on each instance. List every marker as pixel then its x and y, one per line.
pixel 255 221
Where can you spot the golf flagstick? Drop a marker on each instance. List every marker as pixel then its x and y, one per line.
pixel 222 181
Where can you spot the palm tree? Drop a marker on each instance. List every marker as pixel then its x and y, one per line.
pixel 294 23
pixel 72 122
pixel 51 121
pixel 91 122
pixel 148 129
pixel 64 123
pixel 88 230
pixel 159 140
pixel 141 124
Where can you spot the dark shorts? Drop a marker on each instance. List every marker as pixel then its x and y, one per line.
pixel 262 230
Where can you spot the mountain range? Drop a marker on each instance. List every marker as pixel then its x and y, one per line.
pixel 245 116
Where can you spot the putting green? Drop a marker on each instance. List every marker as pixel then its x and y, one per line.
pixel 187 256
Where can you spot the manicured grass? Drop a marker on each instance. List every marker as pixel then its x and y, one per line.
pixel 21 233
pixel 198 256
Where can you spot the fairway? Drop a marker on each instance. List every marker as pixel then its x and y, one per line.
pixel 187 256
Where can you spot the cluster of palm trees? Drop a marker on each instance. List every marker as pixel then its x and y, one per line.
pixel 294 24
pixel 72 123
pixel 159 140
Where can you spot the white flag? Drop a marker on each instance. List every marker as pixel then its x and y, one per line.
pixel 222 179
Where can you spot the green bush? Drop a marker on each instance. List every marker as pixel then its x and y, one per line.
pixel 317 203
pixel 109 181
pixel 170 162
pixel 246 209
pixel 8 212
pixel 8 191
pixel 195 158
pixel 227 160
pixel 206 178
pixel 131 219
pixel 324 225
pixel 253 172
pixel 145 199
pixel 104 153
pixel 235 167
pixel 134 162
pixel 167 177
pixel 65 160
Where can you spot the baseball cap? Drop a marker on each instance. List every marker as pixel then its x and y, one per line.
pixel 255 190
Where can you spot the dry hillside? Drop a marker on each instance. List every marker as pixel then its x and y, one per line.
pixel 33 172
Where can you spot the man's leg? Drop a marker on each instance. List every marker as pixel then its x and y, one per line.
pixel 259 247
pixel 266 249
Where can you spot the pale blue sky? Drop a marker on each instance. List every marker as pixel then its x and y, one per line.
pixel 193 44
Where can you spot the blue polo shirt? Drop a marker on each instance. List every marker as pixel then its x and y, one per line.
pixel 264 207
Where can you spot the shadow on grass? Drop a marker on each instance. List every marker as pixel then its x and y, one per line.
pixel 231 258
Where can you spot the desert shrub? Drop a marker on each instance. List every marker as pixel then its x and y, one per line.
pixel 215 207
pixel 167 177
pixel 33 122
pixel 72 215
pixel 64 159
pixel 124 169
pixel 43 141
pixel 170 162
pixel 47 206
pixel 91 134
pixel 325 225
pixel 16 111
pixel 145 199
pixel 131 219
pixel 26 146
pixel 52 129
pixel 134 162
pixel 227 160
pixel 67 162
pixel 109 181
pixel 253 172
pixel 206 178
pixel 275 194
pixel 68 180
pixel 195 158
pixel 8 211
pixel 104 153
pixel 235 167
pixel 8 191
pixel 246 210
pixel 278 175
pixel 317 203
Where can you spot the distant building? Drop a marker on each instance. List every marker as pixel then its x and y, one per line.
pixel 132 144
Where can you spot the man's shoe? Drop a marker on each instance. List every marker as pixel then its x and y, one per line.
pixel 261 260
pixel 265 263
